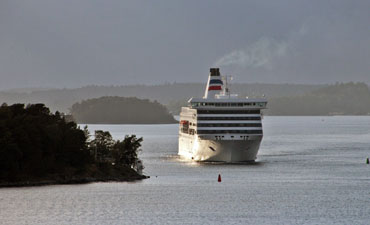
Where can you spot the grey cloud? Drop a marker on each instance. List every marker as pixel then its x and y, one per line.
pixel 50 43
pixel 322 50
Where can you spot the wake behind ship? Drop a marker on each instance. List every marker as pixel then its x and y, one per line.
pixel 221 126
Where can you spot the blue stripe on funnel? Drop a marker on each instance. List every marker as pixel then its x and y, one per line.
pixel 215 82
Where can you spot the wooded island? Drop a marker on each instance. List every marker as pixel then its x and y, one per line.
pixel 39 147
pixel 120 110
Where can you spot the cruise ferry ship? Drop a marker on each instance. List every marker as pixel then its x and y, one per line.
pixel 221 127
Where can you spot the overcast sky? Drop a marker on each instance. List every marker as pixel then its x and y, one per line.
pixel 72 43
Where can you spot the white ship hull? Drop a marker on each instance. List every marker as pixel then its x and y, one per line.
pixel 193 148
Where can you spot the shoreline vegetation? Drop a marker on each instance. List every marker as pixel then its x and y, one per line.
pixel 38 147
pixel 120 110
pixel 284 99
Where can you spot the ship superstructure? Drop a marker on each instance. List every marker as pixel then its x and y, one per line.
pixel 221 126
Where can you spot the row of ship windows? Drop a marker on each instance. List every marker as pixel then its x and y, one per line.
pixel 221 137
pixel 229 118
pixel 229 131
pixel 202 111
pixel 229 125
pixel 192 131
pixel 259 104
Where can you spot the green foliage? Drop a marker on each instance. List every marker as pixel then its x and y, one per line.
pixel 105 149
pixel 120 110
pixel 126 151
pixel 36 144
pixel 102 145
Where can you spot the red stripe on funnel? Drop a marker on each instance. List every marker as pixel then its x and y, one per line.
pixel 214 88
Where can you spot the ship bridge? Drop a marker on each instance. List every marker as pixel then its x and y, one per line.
pixel 229 103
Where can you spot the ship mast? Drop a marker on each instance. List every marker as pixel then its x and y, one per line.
pixel 226 90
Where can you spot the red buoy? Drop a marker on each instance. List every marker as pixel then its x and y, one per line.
pixel 219 177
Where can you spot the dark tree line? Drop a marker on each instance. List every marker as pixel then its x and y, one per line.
pixel 36 144
pixel 120 110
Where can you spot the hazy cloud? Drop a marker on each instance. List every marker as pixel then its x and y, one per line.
pixel 259 54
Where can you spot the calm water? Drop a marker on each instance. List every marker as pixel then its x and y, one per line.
pixel 310 170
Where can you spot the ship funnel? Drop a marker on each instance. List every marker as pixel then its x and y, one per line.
pixel 214 84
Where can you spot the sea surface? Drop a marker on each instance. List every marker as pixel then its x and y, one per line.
pixel 310 170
